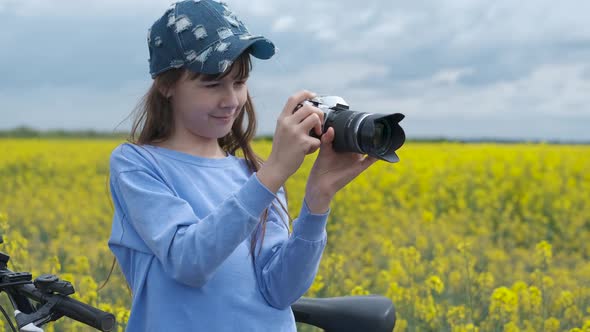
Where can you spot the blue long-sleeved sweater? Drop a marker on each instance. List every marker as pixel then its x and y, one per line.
pixel 181 234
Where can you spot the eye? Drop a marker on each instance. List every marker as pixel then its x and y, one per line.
pixel 211 85
pixel 240 83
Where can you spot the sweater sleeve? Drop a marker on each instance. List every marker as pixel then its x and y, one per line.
pixel 287 265
pixel 190 249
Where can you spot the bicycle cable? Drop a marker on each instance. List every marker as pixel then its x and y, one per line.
pixel 7 318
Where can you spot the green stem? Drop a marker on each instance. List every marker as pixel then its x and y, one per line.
pixel 468 286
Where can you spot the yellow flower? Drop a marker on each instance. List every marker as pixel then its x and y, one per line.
pixel 318 285
pixel 358 290
pixel 463 246
pixel 485 280
pixel 511 327
pixel 565 299
pixel 503 303
pixel 552 325
pixel 427 216
pixel 543 253
pixel 536 298
pixel 456 315
pixel 434 283
pixel 465 328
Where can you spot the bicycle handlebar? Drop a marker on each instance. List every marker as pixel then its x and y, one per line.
pixel 74 309
pixel 53 296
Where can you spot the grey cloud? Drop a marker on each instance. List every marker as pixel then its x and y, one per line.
pixel 51 51
pixel 85 9
pixel 551 94
pixel 419 38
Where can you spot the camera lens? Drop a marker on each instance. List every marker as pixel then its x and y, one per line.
pixel 377 135
pixel 381 137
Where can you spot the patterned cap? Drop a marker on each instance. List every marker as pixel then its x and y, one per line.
pixel 203 36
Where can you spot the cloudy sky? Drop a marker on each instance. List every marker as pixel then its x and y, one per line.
pixel 455 68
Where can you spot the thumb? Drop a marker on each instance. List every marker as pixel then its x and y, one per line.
pixel 328 136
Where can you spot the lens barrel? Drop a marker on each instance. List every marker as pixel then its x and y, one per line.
pixel 377 135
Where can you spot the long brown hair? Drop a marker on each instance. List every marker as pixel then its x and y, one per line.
pixel 154 122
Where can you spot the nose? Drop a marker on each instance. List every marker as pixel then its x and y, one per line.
pixel 230 98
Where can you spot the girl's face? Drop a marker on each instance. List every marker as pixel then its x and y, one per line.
pixel 207 109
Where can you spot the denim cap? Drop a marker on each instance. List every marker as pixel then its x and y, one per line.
pixel 203 36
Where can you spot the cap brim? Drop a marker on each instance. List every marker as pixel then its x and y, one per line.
pixel 261 48
pixel 257 46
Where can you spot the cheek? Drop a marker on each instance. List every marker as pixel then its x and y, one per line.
pixel 241 108
pixel 195 119
pixel 191 114
pixel 198 123
pixel 189 106
pixel 243 97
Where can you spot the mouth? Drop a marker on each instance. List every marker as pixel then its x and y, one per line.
pixel 223 117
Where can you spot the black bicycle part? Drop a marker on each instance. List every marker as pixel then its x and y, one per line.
pixel 373 313
pixel 51 294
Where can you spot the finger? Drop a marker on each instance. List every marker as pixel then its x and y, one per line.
pixel 314 144
pixel 296 99
pixel 305 111
pixel 312 122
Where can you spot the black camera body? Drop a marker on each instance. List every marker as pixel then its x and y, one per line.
pixel 377 135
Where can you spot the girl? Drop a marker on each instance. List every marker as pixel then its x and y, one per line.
pixel 199 233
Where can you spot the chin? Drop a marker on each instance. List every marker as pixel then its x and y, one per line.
pixel 224 134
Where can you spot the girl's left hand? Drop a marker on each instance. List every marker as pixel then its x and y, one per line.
pixel 331 172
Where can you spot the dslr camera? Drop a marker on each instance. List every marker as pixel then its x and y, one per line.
pixel 377 135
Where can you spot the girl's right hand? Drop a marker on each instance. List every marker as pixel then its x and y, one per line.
pixel 291 142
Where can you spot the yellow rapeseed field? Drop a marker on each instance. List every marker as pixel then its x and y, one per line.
pixel 462 237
